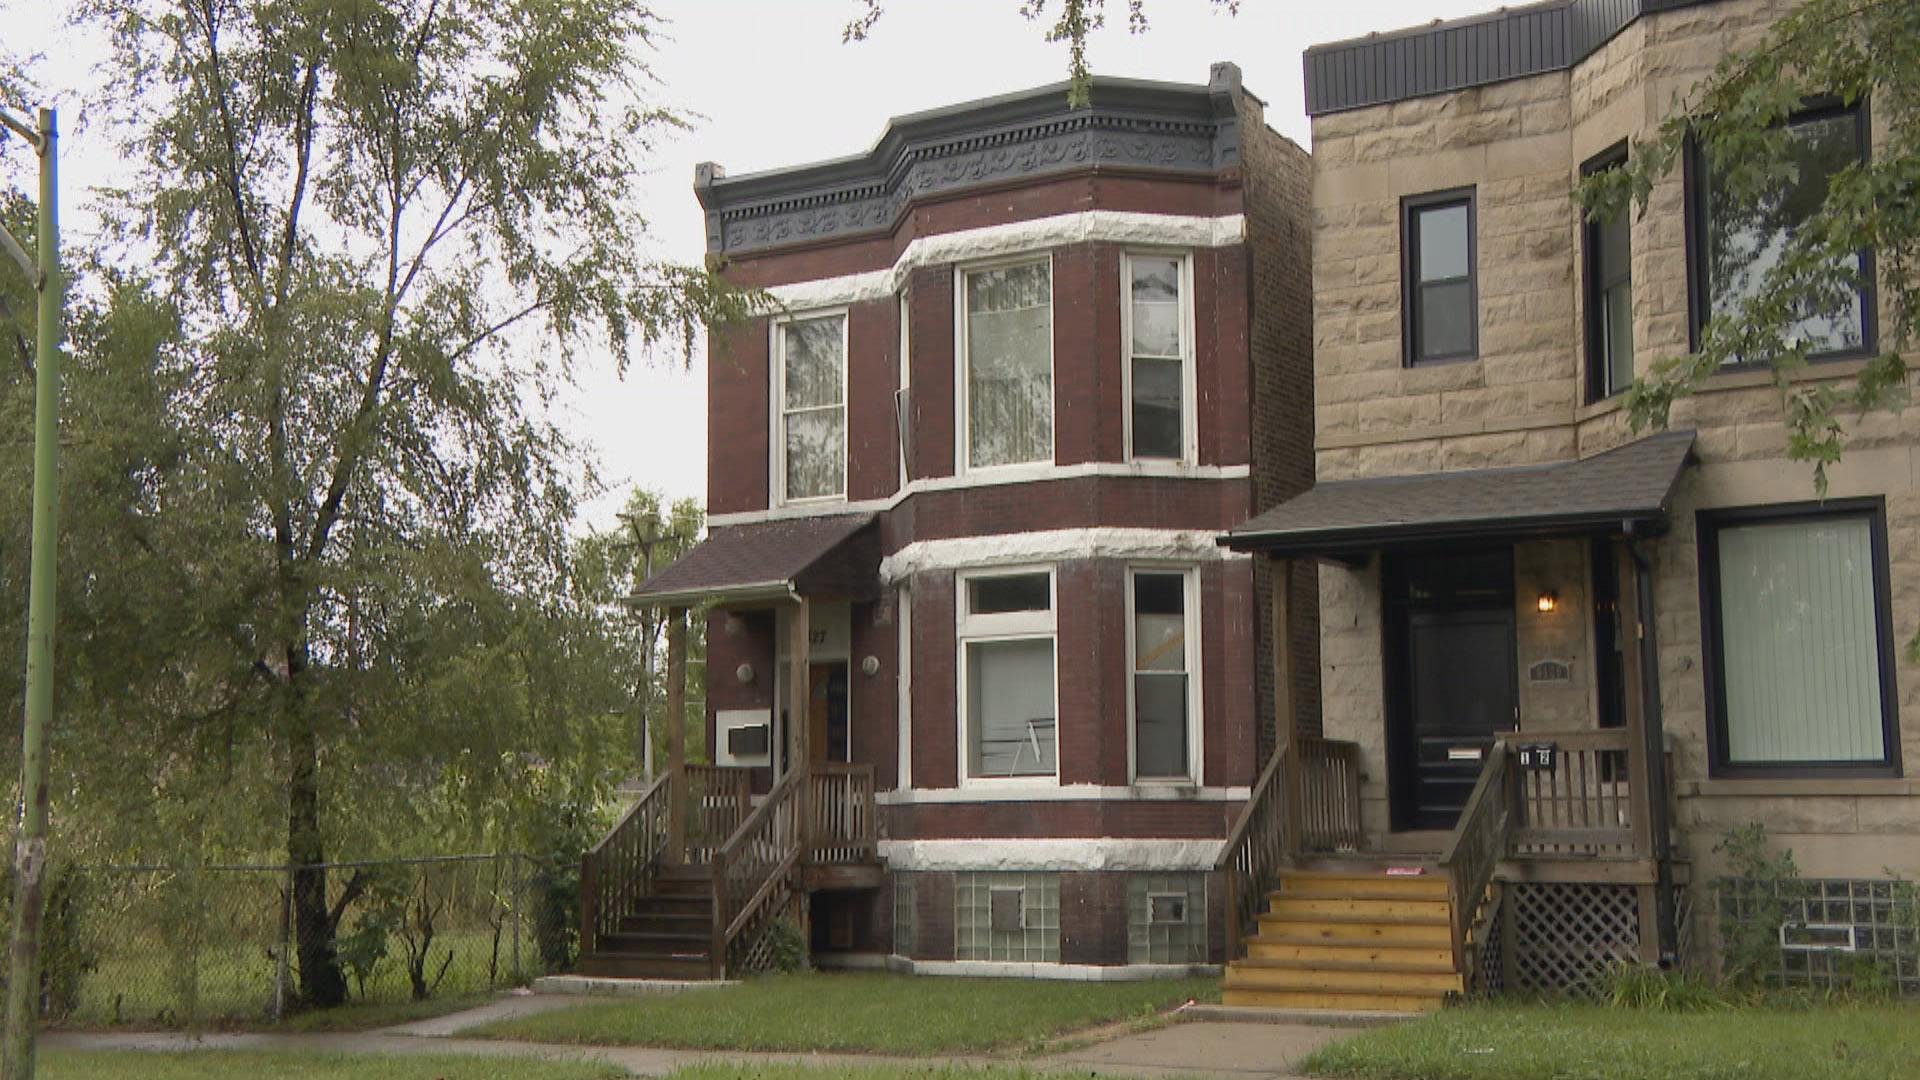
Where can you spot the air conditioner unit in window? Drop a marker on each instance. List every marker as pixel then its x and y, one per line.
pixel 750 740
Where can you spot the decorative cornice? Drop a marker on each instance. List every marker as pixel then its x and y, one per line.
pixel 1473 51
pixel 1169 127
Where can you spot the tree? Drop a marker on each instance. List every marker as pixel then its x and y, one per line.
pixel 380 231
pixel 612 565
pixel 1074 21
pixel 1853 51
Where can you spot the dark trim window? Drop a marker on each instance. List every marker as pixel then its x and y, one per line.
pixel 1608 292
pixel 1794 605
pixel 1730 247
pixel 1439 305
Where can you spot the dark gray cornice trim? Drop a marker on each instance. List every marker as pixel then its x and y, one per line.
pixel 1511 43
pixel 1173 127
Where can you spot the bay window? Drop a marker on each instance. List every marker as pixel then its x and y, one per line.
pixel 811 441
pixel 1158 358
pixel 1736 242
pixel 1007 345
pixel 1007 706
pixel 1163 644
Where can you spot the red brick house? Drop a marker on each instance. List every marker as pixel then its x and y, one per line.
pixel 984 690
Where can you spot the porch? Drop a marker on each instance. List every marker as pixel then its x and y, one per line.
pixel 694 878
pixel 1464 832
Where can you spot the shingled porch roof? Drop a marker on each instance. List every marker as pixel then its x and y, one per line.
pixel 834 557
pixel 1603 493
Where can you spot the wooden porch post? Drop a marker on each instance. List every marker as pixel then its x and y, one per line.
pixel 677 734
pixel 798 635
pixel 1647 754
pixel 1627 574
pixel 1285 718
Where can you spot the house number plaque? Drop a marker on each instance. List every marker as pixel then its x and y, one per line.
pixel 1538 756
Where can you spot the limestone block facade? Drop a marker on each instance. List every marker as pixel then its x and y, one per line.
pixel 1520 145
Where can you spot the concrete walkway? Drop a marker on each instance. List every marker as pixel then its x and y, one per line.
pixel 1215 1051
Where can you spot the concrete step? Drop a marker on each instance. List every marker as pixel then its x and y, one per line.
pixel 1332 1001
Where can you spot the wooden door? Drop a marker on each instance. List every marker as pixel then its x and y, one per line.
pixel 827 712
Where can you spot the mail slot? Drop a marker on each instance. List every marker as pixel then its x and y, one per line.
pixel 1465 753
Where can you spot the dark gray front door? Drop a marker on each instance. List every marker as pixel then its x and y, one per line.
pixel 1450 620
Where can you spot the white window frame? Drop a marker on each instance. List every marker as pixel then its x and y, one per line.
pixel 1004 626
pixel 963 417
pixel 903 394
pixel 903 617
pixel 777 403
pixel 1189 378
pixel 1190 580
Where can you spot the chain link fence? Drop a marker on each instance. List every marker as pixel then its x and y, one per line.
pixel 172 947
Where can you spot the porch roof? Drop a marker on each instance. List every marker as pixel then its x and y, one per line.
pixel 1602 493
pixel 831 557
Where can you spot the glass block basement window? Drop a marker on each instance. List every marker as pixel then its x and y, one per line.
pixel 1167 919
pixel 902 915
pixel 1028 927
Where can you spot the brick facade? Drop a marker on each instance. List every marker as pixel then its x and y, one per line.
pixel 1251 374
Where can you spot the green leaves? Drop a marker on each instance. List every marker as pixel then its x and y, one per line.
pixel 1744 126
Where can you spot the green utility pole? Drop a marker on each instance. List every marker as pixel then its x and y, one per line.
pixel 30 842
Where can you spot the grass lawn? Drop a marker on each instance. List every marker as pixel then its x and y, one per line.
pixel 860 1012
pixel 249 1065
pixel 1585 1042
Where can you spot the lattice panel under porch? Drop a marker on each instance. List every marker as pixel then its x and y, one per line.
pixel 1566 936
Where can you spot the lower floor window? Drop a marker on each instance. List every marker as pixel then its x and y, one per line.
pixel 1167 919
pixel 1010 917
pixel 1795 601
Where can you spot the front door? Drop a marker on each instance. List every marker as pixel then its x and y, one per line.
pixel 1450 619
pixel 827 712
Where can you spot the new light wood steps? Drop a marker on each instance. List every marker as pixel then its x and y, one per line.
pixel 1349 939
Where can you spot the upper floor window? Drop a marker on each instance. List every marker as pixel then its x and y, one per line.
pixel 1006 635
pixel 811 365
pixel 1736 243
pixel 1609 294
pixel 1796 619
pixel 1007 344
pixel 1439 306
pixel 1163 638
pixel 1159 356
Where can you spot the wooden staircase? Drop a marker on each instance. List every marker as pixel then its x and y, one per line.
pixel 666 934
pixel 1350 939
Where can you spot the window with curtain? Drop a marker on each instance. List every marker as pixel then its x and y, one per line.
pixel 813 407
pixel 1439 315
pixel 1797 610
pixel 1006 637
pixel 1737 242
pixel 1009 353
pixel 1162 676
pixel 1156 356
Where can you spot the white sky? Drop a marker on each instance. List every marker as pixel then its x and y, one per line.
pixel 774 86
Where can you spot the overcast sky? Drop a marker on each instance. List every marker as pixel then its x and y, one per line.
pixel 774 86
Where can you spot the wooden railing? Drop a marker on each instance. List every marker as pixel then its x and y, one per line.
pixel 618 869
pixel 718 798
pixel 1479 842
pixel 753 869
pixel 844 824
pixel 1328 816
pixel 1588 803
pixel 1254 850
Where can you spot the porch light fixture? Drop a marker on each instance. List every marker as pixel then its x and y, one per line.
pixel 1548 601
pixel 744 673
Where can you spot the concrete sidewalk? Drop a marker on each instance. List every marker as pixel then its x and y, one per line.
pixel 1215 1051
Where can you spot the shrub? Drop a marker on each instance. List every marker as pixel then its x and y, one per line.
pixel 1638 986
pixel 786 946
